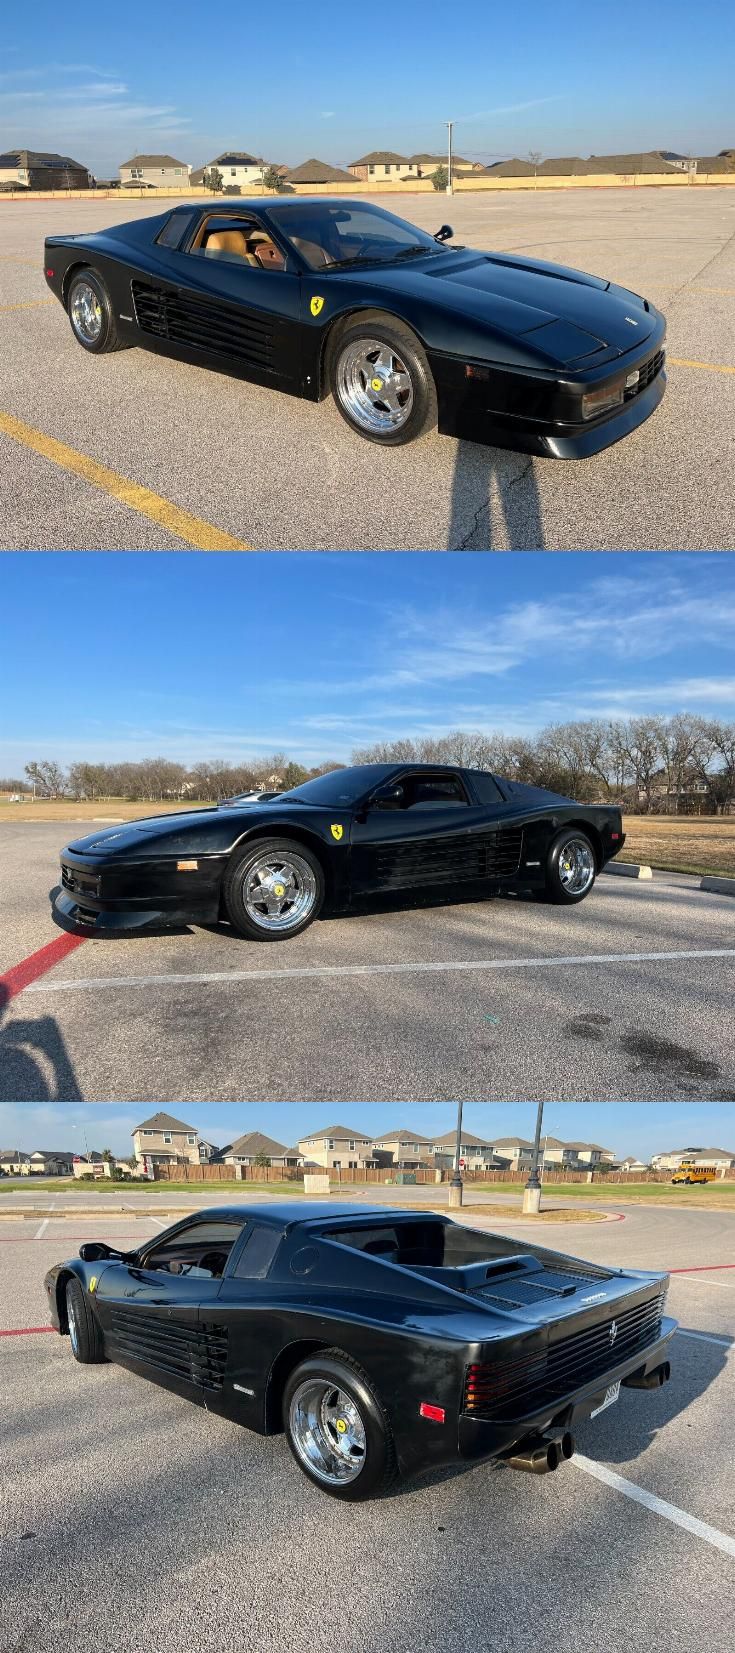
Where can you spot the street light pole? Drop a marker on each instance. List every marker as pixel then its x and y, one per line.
pixel 449 125
pixel 532 1190
pixel 456 1186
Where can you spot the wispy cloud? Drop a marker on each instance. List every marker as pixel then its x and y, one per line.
pixel 327 114
pixel 511 108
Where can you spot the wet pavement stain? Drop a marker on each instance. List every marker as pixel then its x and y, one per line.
pixel 587 1026
pixel 653 1052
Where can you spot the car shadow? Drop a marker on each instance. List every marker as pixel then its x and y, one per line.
pixel 35 1065
pixel 515 497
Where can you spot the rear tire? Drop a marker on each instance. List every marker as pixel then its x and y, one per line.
pixel 571 868
pixel 292 885
pixel 337 1428
pixel 399 359
pixel 90 312
pixel 87 1345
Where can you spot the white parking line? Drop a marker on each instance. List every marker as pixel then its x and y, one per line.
pixel 39 1231
pixel 660 1506
pixel 722 1285
pixel 158 1222
pixel 68 985
pixel 704 1337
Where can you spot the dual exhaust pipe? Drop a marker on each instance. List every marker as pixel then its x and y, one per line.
pixel 541 1454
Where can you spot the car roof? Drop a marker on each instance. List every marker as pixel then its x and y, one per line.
pixel 259 203
pixel 292 1213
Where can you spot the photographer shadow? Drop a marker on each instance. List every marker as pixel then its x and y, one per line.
pixel 513 497
pixel 35 1065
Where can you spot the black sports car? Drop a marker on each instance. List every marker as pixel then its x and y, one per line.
pixel 407 332
pixel 352 834
pixel 382 1341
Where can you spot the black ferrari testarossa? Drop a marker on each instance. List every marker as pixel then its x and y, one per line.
pixel 406 331
pixel 382 1341
pixel 269 866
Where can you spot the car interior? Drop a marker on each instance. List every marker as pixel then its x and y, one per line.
pixel 200 1252
pixel 415 791
pixel 237 241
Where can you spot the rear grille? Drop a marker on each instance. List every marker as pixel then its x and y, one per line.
pixel 531 1287
pixel 646 373
pixel 81 883
pixel 510 1389
pixel 432 860
pixel 204 324
pixel 197 1354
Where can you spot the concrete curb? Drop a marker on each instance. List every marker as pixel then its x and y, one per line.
pixel 718 886
pixel 628 869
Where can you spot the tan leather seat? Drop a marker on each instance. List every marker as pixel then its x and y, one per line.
pixel 265 252
pixel 232 242
pixel 311 251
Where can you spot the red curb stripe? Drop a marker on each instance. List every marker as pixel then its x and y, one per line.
pixel 705 1268
pixel 36 965
pixel 27 1331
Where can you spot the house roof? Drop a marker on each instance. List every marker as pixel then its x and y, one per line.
pixel 52 1153
pixel 514 168
pixel 511 1142
pixel 649 161
pixel 450 1137
pixel 715 163
pixel 162 1122
pixel 318 172
pixel 339 1132
pixel 381 157
pixel 152 160
pixel 235 157
pixel 595 1146
pixel 727 1153
pixel 13 1153
pixel 39 157
pixel 401 1135
pixel 254 1142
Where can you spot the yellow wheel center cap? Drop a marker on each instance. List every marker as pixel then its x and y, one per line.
pixel 376 384
pixel 341 1426
pixel 279 890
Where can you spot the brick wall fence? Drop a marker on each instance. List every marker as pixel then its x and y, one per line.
pixel 276 1173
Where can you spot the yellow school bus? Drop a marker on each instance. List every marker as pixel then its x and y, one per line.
pixel 689 1172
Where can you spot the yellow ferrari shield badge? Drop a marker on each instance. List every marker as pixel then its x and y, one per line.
pixel 336 830
pixel 317 304
pixel 93 1282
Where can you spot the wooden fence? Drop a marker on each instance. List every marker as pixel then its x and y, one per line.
pixel 346 1178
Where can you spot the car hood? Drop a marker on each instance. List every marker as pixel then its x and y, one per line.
pixel 572 316
pixel 129 833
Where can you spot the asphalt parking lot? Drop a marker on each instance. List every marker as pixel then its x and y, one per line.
pixel 132 1519
pixel 630 994
pixel 254 469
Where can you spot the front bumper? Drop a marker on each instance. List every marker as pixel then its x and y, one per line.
pixel 113 896
pixel 479 1438
pixel 76 915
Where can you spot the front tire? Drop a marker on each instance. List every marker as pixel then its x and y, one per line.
pixel 381 381
pixel 274 890
pixel 90 312
pixel 571 868
pixel 337 1428
pixel 84 1333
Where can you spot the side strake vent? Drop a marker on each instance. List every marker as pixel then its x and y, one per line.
pixel 197 1354
pixel 432 860
pixel 204 324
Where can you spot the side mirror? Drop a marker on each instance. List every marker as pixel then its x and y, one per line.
pixel 95 1251
pixel 445 233
pixel 387 797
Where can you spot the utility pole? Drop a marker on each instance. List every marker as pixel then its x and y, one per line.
pixel 456 1185
pixel 532 1190
pixel 449 125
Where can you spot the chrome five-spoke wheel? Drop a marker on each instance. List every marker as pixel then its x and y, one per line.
pixel 73 1328
pixel 279 892
pixel 374 385
pixel 576 865
pixel 327 1432
pixel 86 313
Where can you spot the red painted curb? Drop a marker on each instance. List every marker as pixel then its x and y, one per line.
pixel 36 965
pixel 703 1268
pixel 27 1331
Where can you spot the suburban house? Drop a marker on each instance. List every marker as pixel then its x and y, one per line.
pixel 42 1162
pixel 630 1163
pixel 237 169
pixel 381 164
pixel 515 1149
pixel 164 171
pixel 37 169
pixel 166 1141
pixel 477 1155
pixel 427 164
pixel 721 1159
pixel 337 1148
pixel 254 1147
pixel 318 172
pixel 402 1148
pixel 591 1155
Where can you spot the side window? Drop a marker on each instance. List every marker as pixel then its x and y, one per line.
pixel 175 228
pixel 428 791
pixel 487 788
pixel 192 1241
pixel 237 241
pixel 258 1252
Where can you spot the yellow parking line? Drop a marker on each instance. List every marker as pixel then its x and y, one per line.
pixel 203 536
pixel 711 367
pixel 27 304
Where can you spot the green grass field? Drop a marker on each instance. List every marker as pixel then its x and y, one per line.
pixel 721 1194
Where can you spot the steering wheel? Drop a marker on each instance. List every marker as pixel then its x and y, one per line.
pixel 214 1260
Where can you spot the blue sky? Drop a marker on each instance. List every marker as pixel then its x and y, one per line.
pixel 350 648
pixel 626 1127
pixel 335 81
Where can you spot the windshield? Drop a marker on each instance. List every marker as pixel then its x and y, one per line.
pixel 340 787
pixel 333 234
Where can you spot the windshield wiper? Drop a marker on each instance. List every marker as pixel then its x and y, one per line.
pixel 415 252
pixel 359 258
